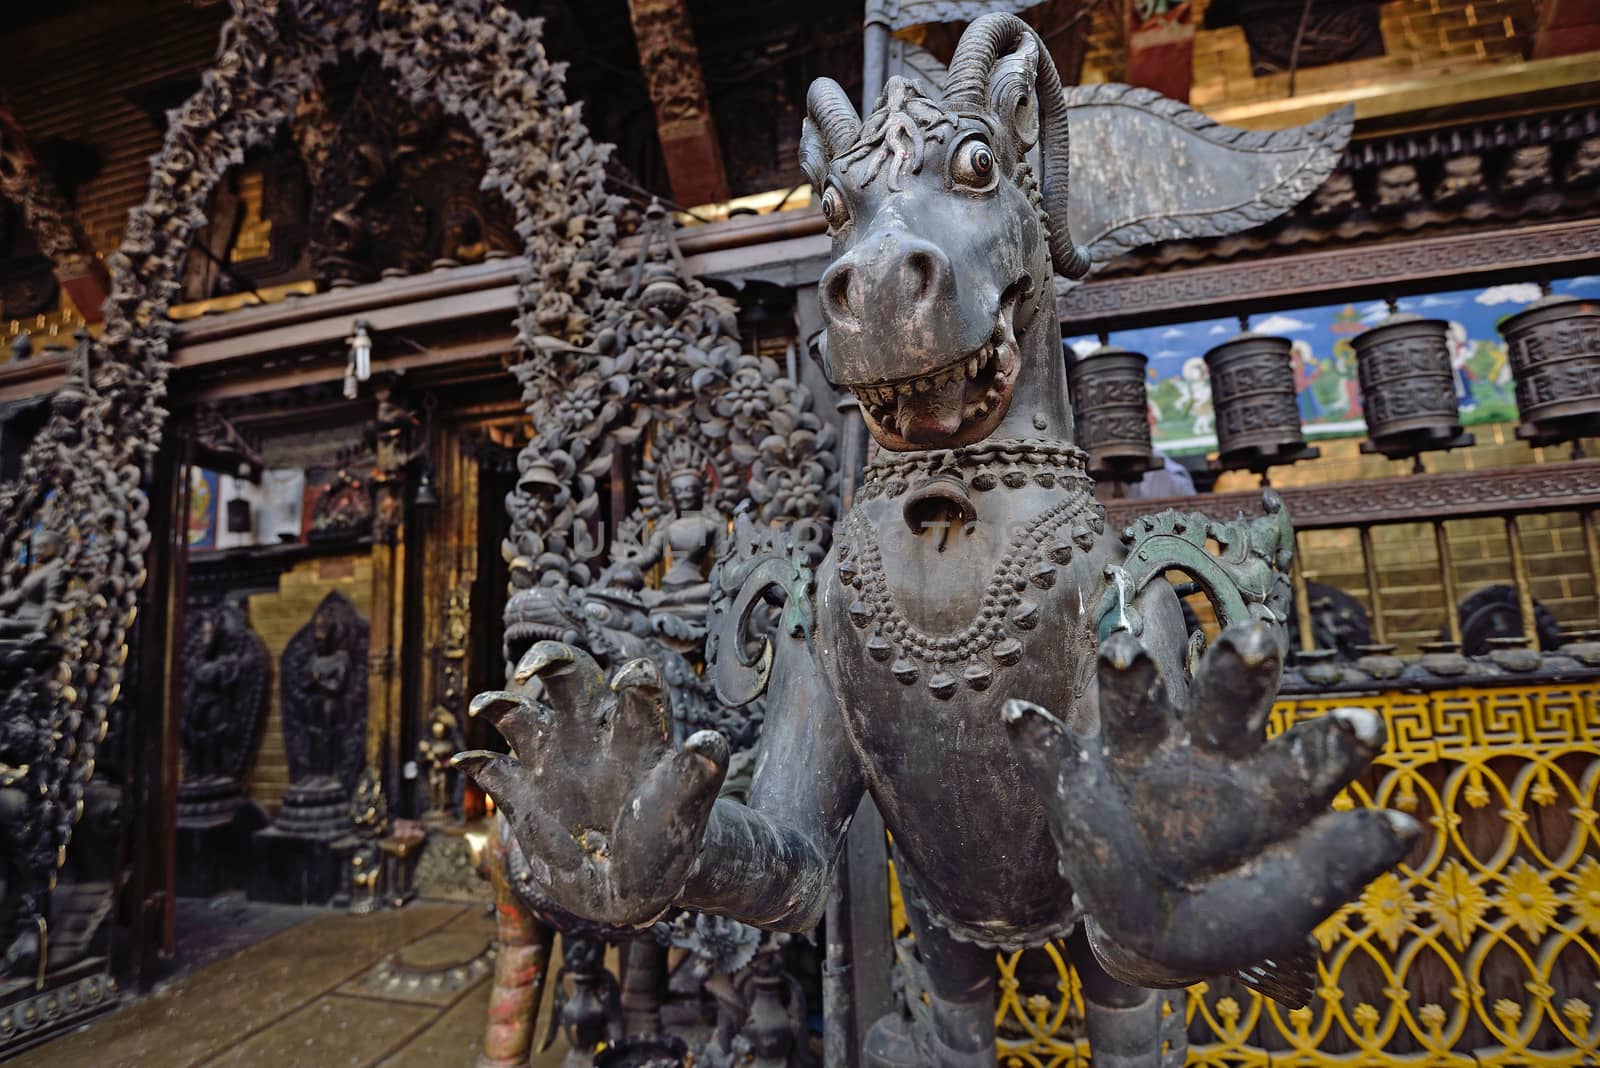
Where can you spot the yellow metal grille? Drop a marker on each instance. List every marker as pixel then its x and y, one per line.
pixel 1480 950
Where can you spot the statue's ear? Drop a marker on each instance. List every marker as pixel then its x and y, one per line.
pixel 1011 95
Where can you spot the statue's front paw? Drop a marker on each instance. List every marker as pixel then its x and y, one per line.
pixel 1193 842
pixel 608 812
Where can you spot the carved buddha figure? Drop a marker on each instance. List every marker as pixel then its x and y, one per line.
pixel 688 541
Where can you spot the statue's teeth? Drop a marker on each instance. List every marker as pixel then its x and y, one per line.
pixel 972 367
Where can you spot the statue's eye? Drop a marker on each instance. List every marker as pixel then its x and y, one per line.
pixel 833 208
pixel 973 164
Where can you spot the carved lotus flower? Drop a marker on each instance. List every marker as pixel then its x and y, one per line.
pixel 1528 901
pixel 749 396
pixel 789 490
pixel 587 406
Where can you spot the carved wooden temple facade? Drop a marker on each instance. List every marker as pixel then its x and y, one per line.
pixel 354 346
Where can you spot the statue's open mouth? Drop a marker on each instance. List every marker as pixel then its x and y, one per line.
pixel 957 404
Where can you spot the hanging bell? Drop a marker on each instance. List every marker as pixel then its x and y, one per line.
pixel 1111 410
pixel 1553 346
pixel 1408 387
pixel 1253 396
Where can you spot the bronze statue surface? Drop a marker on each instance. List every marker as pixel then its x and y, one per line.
pixel 1052 752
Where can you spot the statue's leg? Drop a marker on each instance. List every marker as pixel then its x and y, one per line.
pixel 961 994
pixel 1124 1022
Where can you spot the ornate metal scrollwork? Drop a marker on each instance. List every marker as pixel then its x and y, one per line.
pixel 1246 582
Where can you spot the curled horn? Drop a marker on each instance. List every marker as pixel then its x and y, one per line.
pixel 831 126
pixel 966 90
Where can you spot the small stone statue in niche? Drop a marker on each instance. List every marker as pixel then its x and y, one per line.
pixel 25 609
pixel 225 675
pixel 324 688
pixel 224 703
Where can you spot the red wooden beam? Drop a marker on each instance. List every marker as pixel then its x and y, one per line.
pixel 671 65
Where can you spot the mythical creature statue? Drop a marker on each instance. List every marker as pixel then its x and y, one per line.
pixel 1012 682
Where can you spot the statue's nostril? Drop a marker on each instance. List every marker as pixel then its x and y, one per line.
pixel 918 274
pixel 839 290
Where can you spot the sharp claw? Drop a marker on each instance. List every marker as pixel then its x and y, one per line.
pixel 541 658
pixel 638 672
pixel 1254 644
pixel 709 744
pixel 494 704
pixel 1363 724
pixel 471 760
pixel 1026 716
pixel 1041 742
pixel 512 715
pixel 1403 826
pixel 1121 650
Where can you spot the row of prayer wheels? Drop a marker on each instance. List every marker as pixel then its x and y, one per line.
pixel 1408 389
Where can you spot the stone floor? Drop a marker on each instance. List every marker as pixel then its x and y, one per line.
pixel 401 989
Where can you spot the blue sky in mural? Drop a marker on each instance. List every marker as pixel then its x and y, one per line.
pixel 1325 362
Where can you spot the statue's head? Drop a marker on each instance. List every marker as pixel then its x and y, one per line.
pixel 233 616
pixel 945 240
pixel 325 630
pixel 688 491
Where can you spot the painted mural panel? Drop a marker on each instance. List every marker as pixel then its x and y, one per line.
pixel 1181 414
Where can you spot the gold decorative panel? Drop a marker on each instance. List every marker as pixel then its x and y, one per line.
pixel 1482 949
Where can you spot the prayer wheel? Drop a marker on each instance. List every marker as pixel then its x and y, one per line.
pixel 1554 349
pixel 1112 412
pixel 1253 395
pixel 1408 387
